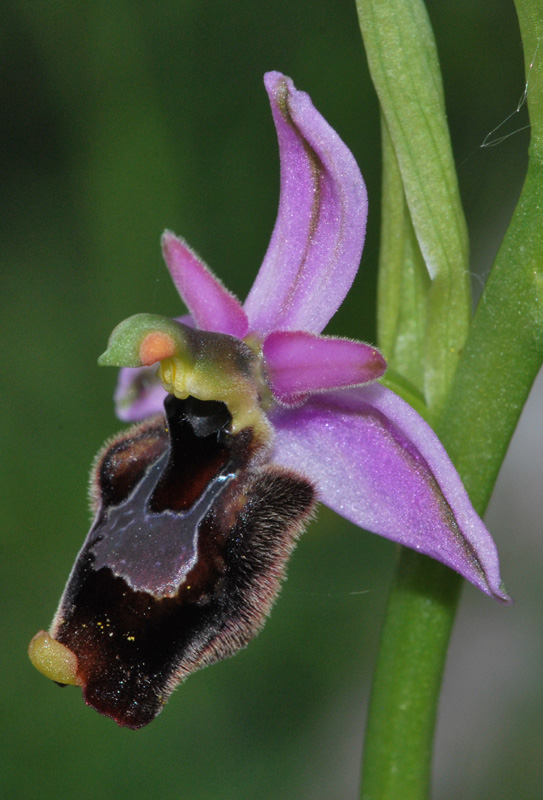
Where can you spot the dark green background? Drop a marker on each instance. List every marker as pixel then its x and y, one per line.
pixel 119 119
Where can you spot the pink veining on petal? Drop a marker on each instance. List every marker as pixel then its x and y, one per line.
pixel 377 463
pixel 211 305
pixel 318 237
pixel 299 363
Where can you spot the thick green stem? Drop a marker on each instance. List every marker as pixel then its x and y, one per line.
pixel 502 357
pixel 407 681
pixel 500 361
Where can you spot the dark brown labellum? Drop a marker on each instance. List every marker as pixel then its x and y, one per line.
pixel 183 561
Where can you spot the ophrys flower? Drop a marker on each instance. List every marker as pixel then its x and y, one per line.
pixel 198 511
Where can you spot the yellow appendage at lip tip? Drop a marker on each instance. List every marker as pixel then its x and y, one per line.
pixel 53 659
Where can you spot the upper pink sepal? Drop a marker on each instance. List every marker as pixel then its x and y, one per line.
pixel 210 304
pixel 300 363
pixel 315 249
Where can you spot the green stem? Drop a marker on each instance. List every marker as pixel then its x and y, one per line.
pixel 502 356
pixel 419 618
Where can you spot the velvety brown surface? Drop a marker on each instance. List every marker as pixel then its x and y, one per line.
pixel 183 561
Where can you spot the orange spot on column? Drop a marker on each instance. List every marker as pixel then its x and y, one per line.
pixel 156 346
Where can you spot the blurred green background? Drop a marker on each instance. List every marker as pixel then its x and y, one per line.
pixel 118 120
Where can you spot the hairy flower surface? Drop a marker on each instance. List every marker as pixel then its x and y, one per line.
pixel 198 511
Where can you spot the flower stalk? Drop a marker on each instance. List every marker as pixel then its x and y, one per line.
pixel 481 407
pixel 399 737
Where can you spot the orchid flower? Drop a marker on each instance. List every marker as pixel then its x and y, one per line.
pixel 198 511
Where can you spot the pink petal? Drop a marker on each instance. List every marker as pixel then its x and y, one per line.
pixel 317 242
pixel 139 394
pixel 211 305
pixel 300 362
pixel 376 462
